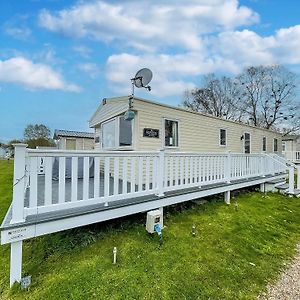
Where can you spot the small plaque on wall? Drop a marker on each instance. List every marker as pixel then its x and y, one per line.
pixel 150 132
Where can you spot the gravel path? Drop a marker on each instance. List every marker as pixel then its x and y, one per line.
pixel 288 286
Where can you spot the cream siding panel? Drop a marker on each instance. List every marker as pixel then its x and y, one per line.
pixel 62 143
pixel 198 133
pixel 97 133
pixel 79 143
pixel 112 108
pixel 88 144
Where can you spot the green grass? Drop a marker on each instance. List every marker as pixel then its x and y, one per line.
pixel 237 250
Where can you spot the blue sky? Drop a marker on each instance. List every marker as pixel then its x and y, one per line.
pixel 58 59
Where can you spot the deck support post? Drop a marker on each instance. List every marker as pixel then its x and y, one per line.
pixel 291 180
pixel 161 173
pixel 15 262
pixel 228 167
pixel 18 184
pixel 227 197
pixel 298 177
pixel 262 187
pixel 161 209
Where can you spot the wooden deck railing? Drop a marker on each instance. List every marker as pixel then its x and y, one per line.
pixel 73 179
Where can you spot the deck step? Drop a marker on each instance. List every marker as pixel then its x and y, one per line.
pixel 271 185
pixel 295 193
pixel 284 186
pixel 277 181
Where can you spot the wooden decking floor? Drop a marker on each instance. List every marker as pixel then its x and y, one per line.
pixel 89 209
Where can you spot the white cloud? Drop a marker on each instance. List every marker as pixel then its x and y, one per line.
pixel 178 40
pixel 33 75
pixel 227 52
pixel 17 27
pixel 20 33
pixel 122 67
pixel 246 47
pixel 91 69
pixel 83 51
pixel 147 24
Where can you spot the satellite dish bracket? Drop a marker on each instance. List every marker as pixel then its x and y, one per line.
pixel 141 79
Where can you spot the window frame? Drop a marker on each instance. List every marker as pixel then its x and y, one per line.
pixel 244 140
pixel 164 119
pixel 266 144
pixel 117 135
pixel 220 137
pixel 274 144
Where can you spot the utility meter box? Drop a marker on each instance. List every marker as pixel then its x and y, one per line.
pixel 154 217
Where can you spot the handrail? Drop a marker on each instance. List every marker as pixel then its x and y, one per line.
pixel 285 160
pixel 93 177
pixel 291 167
pixel 276 157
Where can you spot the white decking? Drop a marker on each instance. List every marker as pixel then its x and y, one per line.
pixel 76 188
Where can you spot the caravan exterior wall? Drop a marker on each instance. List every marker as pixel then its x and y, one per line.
pixel 196 132
pixel 71 143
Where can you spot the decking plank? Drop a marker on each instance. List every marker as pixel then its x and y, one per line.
pixel 89 209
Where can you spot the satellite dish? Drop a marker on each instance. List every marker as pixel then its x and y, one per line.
pixel 142 78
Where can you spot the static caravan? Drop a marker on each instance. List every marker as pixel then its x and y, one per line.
pixel 2 152
pixel 73 140
pixel 204 156
pixel 159 126
pixel 291 147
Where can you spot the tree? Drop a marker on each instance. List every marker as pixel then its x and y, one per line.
pixel 38 135
pixel 32 132
pixel 217 97
pixel 40 142
pixel 268 96
pixel 10 144
pixel 262 96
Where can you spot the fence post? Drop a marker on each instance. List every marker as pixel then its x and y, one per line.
pixel 298 177
pixel 18 184
pixel 228 167
pixel 161 173
pixel 291 180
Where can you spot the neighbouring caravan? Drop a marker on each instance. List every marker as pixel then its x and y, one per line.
pixel 160 126
pixel 73 140
pixel 291 147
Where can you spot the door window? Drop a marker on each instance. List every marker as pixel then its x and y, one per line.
pixel 247 142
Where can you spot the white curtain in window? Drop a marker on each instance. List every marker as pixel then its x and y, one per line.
pixel 109 135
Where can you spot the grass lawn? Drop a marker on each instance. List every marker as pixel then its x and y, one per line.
pixel 236 251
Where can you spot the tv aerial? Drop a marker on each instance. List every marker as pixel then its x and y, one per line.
pixel 141 80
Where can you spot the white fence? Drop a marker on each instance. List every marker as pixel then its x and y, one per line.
pixel 73 179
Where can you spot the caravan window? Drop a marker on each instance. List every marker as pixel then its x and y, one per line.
pixel 264 144
pixel 109 134
pixel 171 133
pixel 125 132
pixel 275 145
pixel 222 137
pixel 247 142
pixel 117 134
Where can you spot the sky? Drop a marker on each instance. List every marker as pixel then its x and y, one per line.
pixel 59 58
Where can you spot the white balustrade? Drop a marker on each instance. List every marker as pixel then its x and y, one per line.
pixel 74 179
